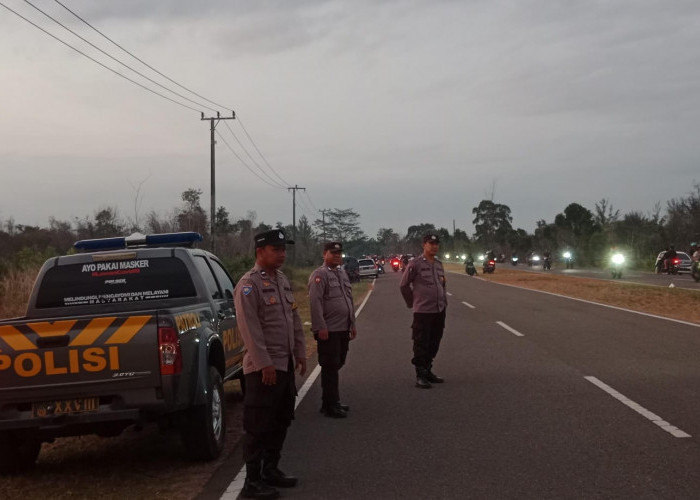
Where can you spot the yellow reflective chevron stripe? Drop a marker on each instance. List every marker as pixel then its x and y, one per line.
pixel 127 331
pixel 92 331
pixel 15 339
pixel 55 329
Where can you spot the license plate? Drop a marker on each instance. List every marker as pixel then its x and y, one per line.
pixel 64 407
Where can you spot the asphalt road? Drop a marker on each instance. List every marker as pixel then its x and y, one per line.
pixel 646 278
pixel 517 417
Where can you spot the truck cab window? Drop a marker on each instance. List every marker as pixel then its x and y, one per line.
pixel 208 276
pixel 224 279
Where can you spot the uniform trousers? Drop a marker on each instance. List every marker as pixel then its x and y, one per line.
pixel 267 413
pixel 331 356
pixel 427 334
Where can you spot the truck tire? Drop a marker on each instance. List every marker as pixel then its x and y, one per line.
pixel 204 428
pixel 18 452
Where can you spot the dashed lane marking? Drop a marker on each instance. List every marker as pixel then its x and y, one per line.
pixel 653 417
pixel 469 305
pixel 511 330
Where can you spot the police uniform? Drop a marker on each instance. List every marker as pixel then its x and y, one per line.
pixel 273 336
pixel 423 286
pixel 332 309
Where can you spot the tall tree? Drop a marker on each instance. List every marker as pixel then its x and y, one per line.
pixel 192 216
pixel 341 225
pixel 492 222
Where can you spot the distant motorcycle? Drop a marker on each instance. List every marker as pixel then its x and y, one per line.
pixel 470 268
pixel 395 265
pixel 569 260
pixel 514 261
pixel 489 266
pixel 616 263
pixel 673 265
pixel 547 264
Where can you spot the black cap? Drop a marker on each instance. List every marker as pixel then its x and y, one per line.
pixel 333 246
pixel 273 237
pixel 432 238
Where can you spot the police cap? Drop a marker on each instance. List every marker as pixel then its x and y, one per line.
pixel 333 246
pixel 432 238
pixel 274 237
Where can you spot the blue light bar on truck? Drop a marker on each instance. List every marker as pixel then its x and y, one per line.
pixel 137 239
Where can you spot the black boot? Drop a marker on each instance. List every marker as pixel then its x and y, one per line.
pixel 334 411
pixel 422 381
pixel 254 487
pixel 273 476
pixel 431 377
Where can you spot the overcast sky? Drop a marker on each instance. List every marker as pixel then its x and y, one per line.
pixel 406 111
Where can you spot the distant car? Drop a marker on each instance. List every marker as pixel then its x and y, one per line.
pixel 368 268
pixel 683 267
pixel 352 268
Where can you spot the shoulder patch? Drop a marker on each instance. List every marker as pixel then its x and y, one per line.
pixel 247 289
pixel 317 280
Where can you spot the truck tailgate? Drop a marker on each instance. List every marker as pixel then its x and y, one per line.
pixel 81 356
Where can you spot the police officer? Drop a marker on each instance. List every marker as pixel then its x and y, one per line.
pixel 424 289
pixel 274 339
pixel 333 324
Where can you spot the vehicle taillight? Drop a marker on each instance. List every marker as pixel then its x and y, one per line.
pixel 676 262
pixel 169 348
pixel 492 262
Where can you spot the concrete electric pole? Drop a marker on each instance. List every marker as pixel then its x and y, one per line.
pixel 294 214
pixel 214 122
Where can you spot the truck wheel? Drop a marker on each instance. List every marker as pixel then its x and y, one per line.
pixel 204 429
pixel 18 452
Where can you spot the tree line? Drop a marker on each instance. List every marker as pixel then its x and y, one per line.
pixel 588 233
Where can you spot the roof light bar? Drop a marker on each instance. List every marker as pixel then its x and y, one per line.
pixel 137 239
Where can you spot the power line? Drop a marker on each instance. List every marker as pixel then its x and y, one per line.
pixel 253 159
pixel 142 61
pixel 244 163
pixel 96 61
pixel 260 153
pixel 310 201
pixel 117 60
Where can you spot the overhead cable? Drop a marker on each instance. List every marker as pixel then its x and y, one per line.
pixel 253 159
pixel 96 61
pixel 117 60
pixel 142 61
pixel 244 163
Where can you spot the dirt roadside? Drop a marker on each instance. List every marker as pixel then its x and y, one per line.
pixel 676 303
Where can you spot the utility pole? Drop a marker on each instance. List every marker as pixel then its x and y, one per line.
pixel 323 217
pixel 214 122
pixel 294 214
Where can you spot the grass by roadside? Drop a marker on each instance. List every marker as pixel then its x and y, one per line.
pixel 674 303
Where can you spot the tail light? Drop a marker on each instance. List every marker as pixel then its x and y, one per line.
pixel 676 261
pixel 492 262
pixel 169 348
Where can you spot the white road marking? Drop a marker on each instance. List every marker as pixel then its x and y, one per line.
pixel 234 489
pixel 688 323
pixel 449 294
pixel 511 330
pixel 671 429
pixel 469 305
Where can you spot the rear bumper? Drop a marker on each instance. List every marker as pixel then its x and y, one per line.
pixel 115 411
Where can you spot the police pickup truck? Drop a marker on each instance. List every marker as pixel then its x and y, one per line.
pixel 132 330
